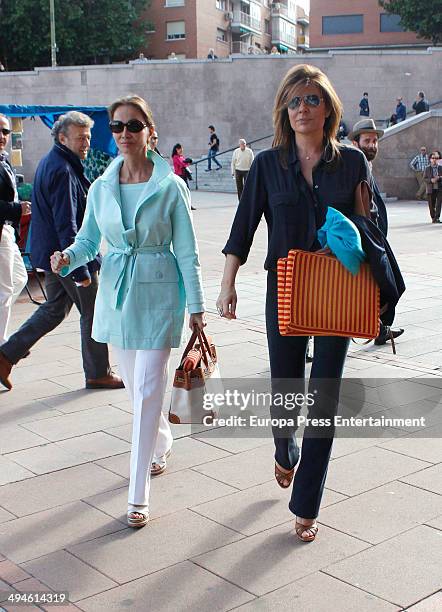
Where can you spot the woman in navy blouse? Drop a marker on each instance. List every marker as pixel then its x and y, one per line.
pixel 292 184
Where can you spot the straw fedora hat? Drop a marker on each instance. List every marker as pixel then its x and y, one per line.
pixel 365 126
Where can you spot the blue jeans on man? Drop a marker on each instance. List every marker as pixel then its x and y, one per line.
pixel 212 153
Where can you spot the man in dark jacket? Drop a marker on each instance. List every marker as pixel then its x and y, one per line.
pixel 13 275
pixel 365 136
pixel 364 107
pixel 421 105
pixel 401 110
pixel 59 203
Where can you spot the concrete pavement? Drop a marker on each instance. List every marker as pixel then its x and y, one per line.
pixel 221 536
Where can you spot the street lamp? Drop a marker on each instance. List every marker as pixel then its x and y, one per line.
pixel 53 43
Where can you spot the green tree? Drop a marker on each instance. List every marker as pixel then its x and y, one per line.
pixel 87 31
pixel 421 16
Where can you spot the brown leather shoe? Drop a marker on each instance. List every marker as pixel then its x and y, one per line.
pixel 5 370
pixel 111 381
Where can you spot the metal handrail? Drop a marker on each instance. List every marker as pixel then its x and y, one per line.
pixel 200 161
pixel 411 112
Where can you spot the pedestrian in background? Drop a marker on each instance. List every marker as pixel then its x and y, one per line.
pixel 433 182
pixel 421 104
pixel 213 149
pixel 401 110
pixel 13 275
pixel 58 207
pixel 153 142
pixel 242 159
pixel 211 55
pixel 142 209
pixel 364 107
pixel 418 165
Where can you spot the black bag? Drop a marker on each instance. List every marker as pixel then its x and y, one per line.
pixel 188 174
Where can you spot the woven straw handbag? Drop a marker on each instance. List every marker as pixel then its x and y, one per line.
pixel 317 296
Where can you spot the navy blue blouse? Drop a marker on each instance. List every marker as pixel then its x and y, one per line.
pixel 293 211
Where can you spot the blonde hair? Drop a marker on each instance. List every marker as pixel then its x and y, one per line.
pixel 138 103
pixel 305 74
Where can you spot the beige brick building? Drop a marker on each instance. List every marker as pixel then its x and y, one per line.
pixel 190 28
pixel 349 24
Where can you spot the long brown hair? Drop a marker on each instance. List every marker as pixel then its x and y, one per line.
pixel 302 75
pixel 138 103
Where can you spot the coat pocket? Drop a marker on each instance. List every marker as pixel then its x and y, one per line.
pixel 157 285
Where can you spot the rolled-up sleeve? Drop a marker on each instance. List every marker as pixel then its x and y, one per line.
pixel 248 215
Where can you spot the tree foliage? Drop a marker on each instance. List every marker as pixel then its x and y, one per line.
pixel 87 31
pixel 421 16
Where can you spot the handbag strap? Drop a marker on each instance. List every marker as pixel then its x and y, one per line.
pixel 204 345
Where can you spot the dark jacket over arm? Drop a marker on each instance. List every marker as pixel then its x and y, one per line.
pixel 9 210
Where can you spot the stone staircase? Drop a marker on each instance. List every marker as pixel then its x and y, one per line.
pixel 215 180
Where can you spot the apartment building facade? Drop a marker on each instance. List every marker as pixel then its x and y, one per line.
pixel 190 28
pixel 349 24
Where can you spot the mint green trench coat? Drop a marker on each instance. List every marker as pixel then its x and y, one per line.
pixel 150 270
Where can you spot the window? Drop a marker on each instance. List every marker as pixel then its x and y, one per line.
pixel 221 5
pixel 175 3
pixel 391 23
pixel 267 26
pixel 176 30
pixel 221 34
pixel 343 24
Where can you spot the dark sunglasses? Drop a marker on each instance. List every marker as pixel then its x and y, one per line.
pixel 5 131
pixel 133 125
pixel 309 100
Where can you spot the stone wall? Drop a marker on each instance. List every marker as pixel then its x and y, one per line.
pixel 399 146
pixel 235 94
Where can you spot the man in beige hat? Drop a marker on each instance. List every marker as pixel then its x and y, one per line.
pixel 365 136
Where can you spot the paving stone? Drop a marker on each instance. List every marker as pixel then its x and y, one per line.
pixel 79 423
pixel 382 513
pixel 169 493
pixel 56 489
pixel 436 522
pixel 430 604
pixel 61 571
pixel 20 410
pixel 82 399
pixel 276 557
pixel 316 593
pixel 243 470
pixel 10 471
pixel 16 437
pixel 11 573
pixel 5 591
pixel 369 468
pixel 5 516
pixel 193 589
pixel 70 452
pixel 31 585
pixel 420 445
pixel 40 370
pixel 257 508
pixel 389 570
pixel 429 479
pixel 234 441
pixel 174 538
pixel 44 532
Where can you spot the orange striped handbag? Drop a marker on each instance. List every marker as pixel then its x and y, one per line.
pixel 317 296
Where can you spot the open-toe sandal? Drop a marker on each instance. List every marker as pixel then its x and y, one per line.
pixel 138 518
pixel 284 479
pixel 159 464
pixel 306 533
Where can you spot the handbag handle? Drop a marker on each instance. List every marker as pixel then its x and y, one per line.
pixel 204 344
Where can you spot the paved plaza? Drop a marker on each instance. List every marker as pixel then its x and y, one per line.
pixel 221 535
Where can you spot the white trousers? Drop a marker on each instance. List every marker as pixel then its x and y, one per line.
pixel 13 277
pixel 145 377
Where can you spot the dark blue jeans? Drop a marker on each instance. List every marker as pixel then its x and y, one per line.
pixel 287 365
pixel 211 156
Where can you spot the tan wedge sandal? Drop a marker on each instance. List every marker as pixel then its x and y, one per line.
pixel 137 518
pixel 306 533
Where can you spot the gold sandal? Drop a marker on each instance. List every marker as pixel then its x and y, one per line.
pixel 283 477
pixel 159 465
pixel 310 530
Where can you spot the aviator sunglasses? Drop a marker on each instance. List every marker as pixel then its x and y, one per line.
pixel 309 100
pixel 133 125
pixel 5 131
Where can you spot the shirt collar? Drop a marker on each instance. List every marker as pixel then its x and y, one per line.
pixel 293 156
pixel 4 156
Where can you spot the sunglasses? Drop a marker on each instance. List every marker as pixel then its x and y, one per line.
pixel 5 131
pixel 309 100
pixel 133 125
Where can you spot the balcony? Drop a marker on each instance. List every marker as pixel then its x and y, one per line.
pixel 240 47
pixel 279 10
pixel 303 41
pixel 243 22
pixel 304 21
pixel 279 37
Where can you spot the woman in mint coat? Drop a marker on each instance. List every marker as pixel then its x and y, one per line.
pixel 150 270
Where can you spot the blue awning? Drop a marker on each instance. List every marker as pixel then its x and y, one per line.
pixel 102 139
